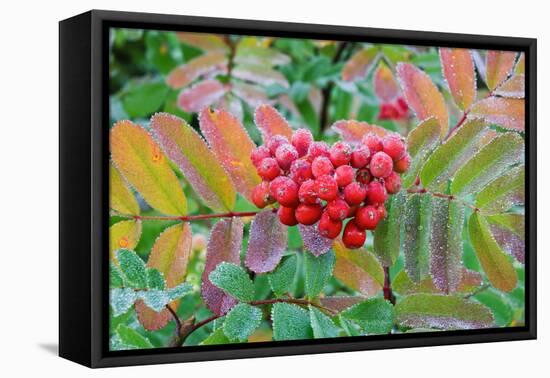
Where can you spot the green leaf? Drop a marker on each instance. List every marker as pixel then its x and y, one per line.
pixel 233 280
pixel 116 279
pixel 155 279
pixel 282 279
pixel 441 312
pixel 309 115
pixel 216 337
pixel 290 322
pixel 133 268
pixel 501 309
pixel 374 316
pixel 416 245
pixel 503 193
pixel 403 285
pixel 323 326
pixel 155 299
pixel 180 291
pixel 491 162
pixel 317 272
pixel 121 299
pixel 446 243
pixel 509 232
pixel 144 99
pixel 241 321
pixel 387 237
pixel 132 338
pixel 493 260
pixel 437 170
pixel 421 142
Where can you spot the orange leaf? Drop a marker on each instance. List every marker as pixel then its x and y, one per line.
pixel 499 65
pixel 230 142
pixel 141 161
pixel 201 95
pixel 352 131
pixel 422 95
pixel 205 42
pixel 271 122
pixel 359 64
pixel 506 112
pixel 514 87
pixel 458 69
pixel 385 85
pixel 520 65
pixel 186 73
pixel 252 94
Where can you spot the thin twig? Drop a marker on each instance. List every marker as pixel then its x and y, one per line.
pixel 388 293
pixel 186 217
pixel 477 291
pixel 294 301
pixel 450 197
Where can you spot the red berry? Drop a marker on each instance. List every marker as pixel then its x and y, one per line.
pixel 388 112
pixel 327 188
pixel 258 154
pixel 402 104
pixel 353 237
pixel 285 155
pixel 381 165
pixel 363 176
pixel 360 157
pixel 355 193
pixel 340 154
pixel 338 209
pixel 308 193
pixel 376 192
pixel 328 227
pixel 344 175
pixel 367 217
pixel 260 195
pixel 352 210
pixel 300 171
pixel 393 183
pixel 317 149
pixel 269 169
pixel 373 142
pixel 286 216
pixel 274 185
pixel 381 211
pixel 274 142
pixel 394 146
pixel 301 139
pixel 322 166
pixel 308 214
pixel 403 164
pixel 286 192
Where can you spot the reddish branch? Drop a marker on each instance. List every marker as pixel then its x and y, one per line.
pixel 388 293
pixel 450 197
pixel 186 217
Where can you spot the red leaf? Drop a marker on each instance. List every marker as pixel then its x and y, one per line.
pixel 266 243
pixel 352 131
pixel 458 69
pixel 514 87
pixel 359 64
pixel 506 112
pixel 385 85
pixel 205 64
pixel 253 95
pixel 205 42
pixel 422 95
pixel 259 74
pixel 201 95
pixel 499 65
pixel 271 122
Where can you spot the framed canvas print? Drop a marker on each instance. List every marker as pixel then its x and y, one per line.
pixel 235 188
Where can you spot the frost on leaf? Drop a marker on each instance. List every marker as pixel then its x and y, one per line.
pixel 206 64
pixel 281 279
pixel 124 234
pixel 267 242
pixel 121 299
pixel 359 64
pixel 509 232
pixel 387 237
pixel 513 87
pixel 201 95
pixel 259 74
pixel 339 304
pixel 233 280
pixel 374 316
pixel 506 191
pixel 260 55
pixel 459 72
pixel 155 299
pixel 271 122
pixel 133 268
pixel 120 196
pixel 231 144
pixel 421 142
pixel 313 241
pixel 403 285
pixel 323 327
pixel 290 322
pixel 185 147
pixel 385 86
pixel 416 243
pixel 224 245
pixel 317 271
pixel 446 243
pixel 241 321
pixel 506 112
pixel 499 65
pixel 252 94
pixel 131 338
pixel 352 131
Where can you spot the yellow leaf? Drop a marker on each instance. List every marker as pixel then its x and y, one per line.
pixel 121 197
pixel 124 234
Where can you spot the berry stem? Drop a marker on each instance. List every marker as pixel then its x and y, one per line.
pixel 185 218
pixel 388 293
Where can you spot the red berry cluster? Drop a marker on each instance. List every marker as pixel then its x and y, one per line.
pixel 313 182
pixel 394 110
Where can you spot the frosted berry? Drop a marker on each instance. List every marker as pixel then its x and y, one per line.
pixel 373 142
pixel 274 142
pixel 393 183
pixel 322 166
pixel 403 164
pixel 327 188
pixel 317 149
pixel 301 140
pixel 355 193
pixel 308 214
pixel 285 155
pixel 328 227
pixel 269 169
pixel 376 192
pixel 286 192
pixel 363 176
pixel 337 209
pixel 381 165
pixel 340 154
pixel 367 217
pixel 258 154
pixel 308 193
pixel 388 112
pixel 360 157
pixel 260 195
pixel 286 216
pixel 344 175
pixel 300 171
pixel 353 237
pixel 394 146
pixel 381 211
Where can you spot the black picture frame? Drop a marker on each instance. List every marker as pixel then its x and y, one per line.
pixel 83 196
